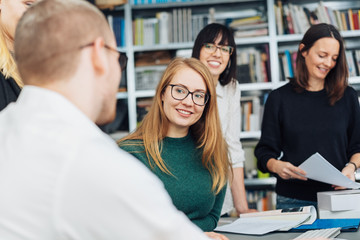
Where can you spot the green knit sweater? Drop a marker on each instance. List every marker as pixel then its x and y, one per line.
pixel 190 185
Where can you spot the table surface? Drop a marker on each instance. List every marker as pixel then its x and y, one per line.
pixel 284 235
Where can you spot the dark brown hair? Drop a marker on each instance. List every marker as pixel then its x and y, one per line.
pixel 209 34
pixel 336 80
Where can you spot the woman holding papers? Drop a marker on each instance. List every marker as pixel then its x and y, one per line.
pixel 10 82
pixel 180 140
pixel 315 112
pixel 215 47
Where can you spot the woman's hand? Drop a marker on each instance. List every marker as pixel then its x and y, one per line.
pixel 216 236
pixel 349 172
pixel 285 170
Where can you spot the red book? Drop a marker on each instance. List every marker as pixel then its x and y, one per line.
pixel 355 16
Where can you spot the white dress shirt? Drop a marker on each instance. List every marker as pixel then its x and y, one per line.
pixel 62 178
pixel 228 100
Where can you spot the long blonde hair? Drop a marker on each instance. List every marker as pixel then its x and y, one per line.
pixel 206 131
pixel 7 63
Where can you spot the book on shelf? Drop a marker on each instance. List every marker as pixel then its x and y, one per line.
pixel 152 58
pixel 249 27
pixel 148 79
pixel 117 25
pixel 289 62
pixel 175 26
pixel 284 66
pixel 278 10
pixel 253 65
pixel 251 113
pixel 357 60
pixel 298 18
pixel 165 26
pixel 351 63
pixel 262 200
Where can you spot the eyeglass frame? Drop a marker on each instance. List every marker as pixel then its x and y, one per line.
pixel 123 59
pixel 207 96
pixel 219 47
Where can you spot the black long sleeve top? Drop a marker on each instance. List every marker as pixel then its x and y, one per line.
pixel 300 124
pixel 9 91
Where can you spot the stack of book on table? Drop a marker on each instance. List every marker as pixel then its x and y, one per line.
pixel 339 204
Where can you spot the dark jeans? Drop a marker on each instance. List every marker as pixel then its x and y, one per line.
pixel 285 202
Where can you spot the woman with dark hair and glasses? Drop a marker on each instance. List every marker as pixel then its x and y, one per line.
pixel 215 47
pixel 315 112
pixel 180 140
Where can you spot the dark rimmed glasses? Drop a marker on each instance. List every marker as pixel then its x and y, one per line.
pixel 122 56
pixel 179 92
pixel 211 48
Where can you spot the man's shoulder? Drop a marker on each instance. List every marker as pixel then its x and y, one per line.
pixel 104 156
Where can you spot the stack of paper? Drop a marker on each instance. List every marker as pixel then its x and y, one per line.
pixel 260 223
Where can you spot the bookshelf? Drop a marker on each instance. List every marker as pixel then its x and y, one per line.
pixel 272 43
pixel 217 10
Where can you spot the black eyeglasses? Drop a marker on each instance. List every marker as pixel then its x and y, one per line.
pixel 211 48
pixel 122 56
pixel 179 92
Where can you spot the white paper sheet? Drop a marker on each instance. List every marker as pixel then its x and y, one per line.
pixel 263 225
pixel 317 168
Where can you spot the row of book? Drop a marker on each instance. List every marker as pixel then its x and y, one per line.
pixel 296 19
pixel 251 113
pixel 183 25
pixel 253 64
pixel 247 22
pixel 262 200
pixel 179 25
pixel 287 61
pixel 117 24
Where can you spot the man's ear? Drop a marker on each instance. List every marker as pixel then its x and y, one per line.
pixel 98 58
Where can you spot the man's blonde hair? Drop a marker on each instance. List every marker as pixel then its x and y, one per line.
pixel 49 36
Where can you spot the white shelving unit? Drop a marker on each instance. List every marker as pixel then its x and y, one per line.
pixel 273 40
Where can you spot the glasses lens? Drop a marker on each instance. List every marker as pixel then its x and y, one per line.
pixel 199 98
pixel 179 92
pixel 226 50
pixel 209 47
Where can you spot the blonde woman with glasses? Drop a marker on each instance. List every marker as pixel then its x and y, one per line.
pixel 10 82
pixel 215 47
pixel 180 140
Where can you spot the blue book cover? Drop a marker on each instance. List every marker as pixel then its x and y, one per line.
pixel 122 32
pixel 289 63
pixel 347 225
pixel 119 30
